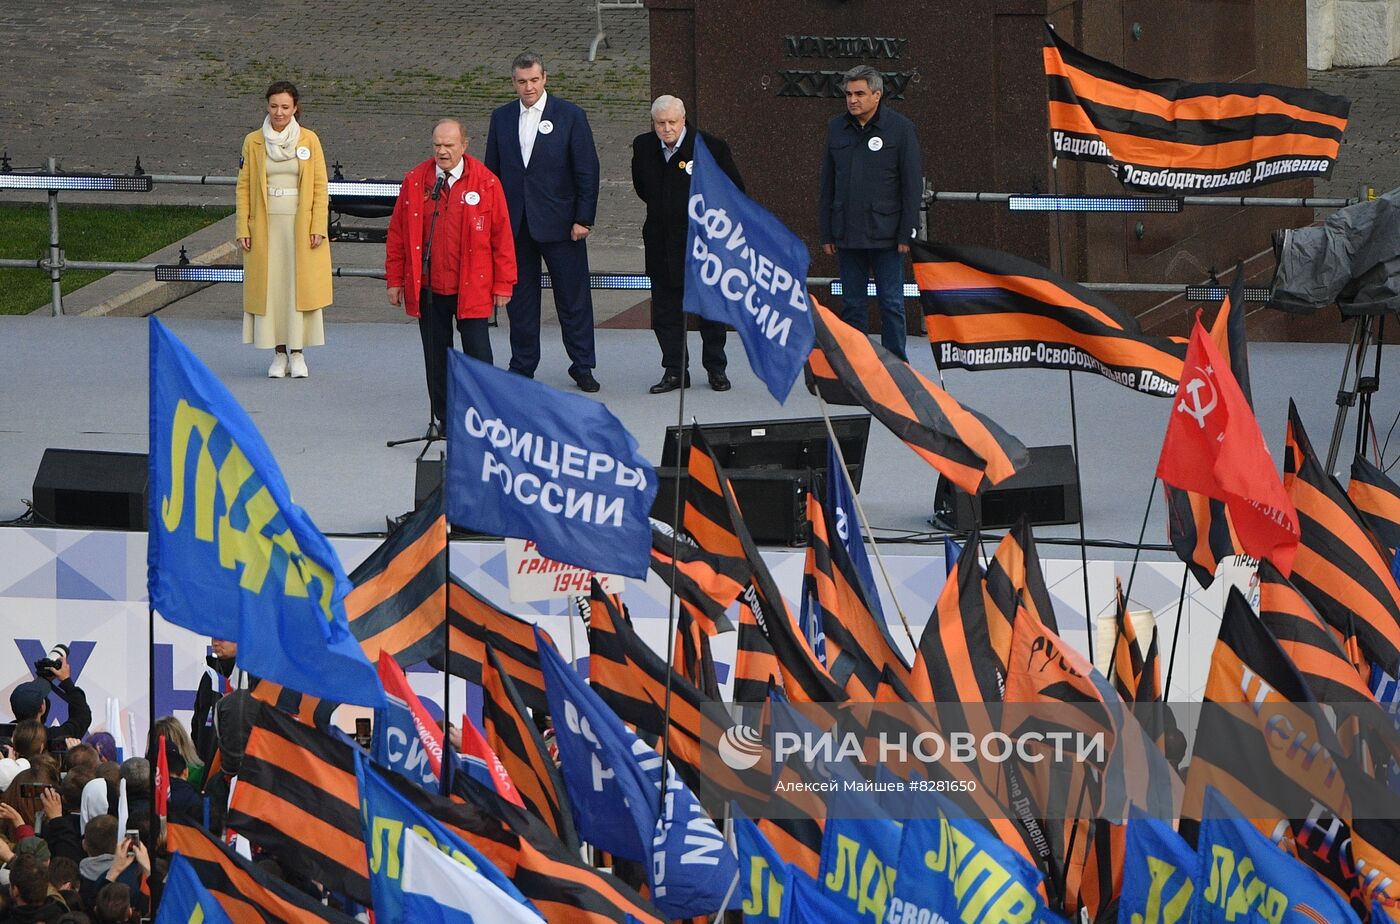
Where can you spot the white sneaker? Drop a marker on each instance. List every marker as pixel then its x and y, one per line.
pixel 278 369
pixel 297 366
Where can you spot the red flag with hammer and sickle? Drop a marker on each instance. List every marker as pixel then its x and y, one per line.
pixel 1213 447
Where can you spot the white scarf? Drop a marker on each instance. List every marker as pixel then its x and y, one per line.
pixel 281 145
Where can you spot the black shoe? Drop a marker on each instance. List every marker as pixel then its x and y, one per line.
pixel 586 382
pixel 719 381
pixel 670 382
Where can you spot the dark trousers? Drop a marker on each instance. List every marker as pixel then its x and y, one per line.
pixel 668 321
pixel 573 300
pixel 886 265
pixel 436 316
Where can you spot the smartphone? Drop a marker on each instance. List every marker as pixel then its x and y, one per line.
pixel 133 835
pixel 34 790
pixel 364 732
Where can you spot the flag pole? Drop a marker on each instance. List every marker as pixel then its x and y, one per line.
pixel 1073 419
pixel 446 625
pixel 1132 572
pixel 151 676
pixel 1176 634
pixel 864 522
pixel 1083 547
pixel 675 543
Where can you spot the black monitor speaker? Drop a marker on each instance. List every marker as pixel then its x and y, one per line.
pixel 1046 491
pixel 772 465
pixel 796 444
pixel 91 488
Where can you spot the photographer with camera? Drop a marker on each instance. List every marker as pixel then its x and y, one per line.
pixel 30 700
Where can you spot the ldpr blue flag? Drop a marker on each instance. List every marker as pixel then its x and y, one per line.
pixel 185 900
pixel 228 554
pixel 951 867
pixel 1158 873
pixel 745 269
pixel 529 461
pixel 842 519
pixel 1242 877
pixel 385 816
pixel 614 779
pixel 805 902
pixel 859 859
pixel 762 872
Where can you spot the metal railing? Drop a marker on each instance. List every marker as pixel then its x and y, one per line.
pixel 352 193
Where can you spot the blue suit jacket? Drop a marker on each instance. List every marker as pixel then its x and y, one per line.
pixel 560 186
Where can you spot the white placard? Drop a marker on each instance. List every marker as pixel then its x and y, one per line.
pixel 531 576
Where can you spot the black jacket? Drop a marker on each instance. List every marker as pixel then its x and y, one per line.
pixel 872 182
pixel 665 188
pixel 79 715
pixel 63 836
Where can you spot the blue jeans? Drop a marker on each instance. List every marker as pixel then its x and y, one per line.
pixel 886 265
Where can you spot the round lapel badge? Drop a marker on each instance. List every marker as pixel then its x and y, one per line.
pixel 472 198
pixel 546 127
pixel 303 153
pixel 689 167
pixel 875 143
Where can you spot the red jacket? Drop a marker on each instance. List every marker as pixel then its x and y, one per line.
pixel 487 264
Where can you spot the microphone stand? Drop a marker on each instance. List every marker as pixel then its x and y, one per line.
pixel 429 436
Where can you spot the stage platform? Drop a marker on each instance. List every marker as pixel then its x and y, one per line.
pixel 81 383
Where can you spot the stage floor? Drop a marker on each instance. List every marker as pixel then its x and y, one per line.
pixel 81 383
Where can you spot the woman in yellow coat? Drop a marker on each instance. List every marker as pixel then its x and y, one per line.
pixel 283 211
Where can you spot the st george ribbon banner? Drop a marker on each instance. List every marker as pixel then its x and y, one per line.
pixel 529 461
pixel 745 269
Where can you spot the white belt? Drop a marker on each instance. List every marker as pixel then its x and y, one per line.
pixel 281 190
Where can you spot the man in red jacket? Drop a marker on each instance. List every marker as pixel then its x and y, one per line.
pixel 450 255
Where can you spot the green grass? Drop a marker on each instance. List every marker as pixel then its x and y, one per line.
pixel 86 232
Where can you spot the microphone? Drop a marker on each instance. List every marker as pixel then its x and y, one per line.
pixel 437 190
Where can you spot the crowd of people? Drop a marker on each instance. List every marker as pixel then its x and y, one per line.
pixel 77 840
pixel 470 236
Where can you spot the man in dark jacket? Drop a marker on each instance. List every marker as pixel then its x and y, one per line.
pixel 30 700
pixel 62 828
pixel 871 192
pixel 661 171
pixel 29 891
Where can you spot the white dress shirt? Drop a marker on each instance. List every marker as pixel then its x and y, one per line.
pixel 666 152
pixel 530 117
pixel 453 175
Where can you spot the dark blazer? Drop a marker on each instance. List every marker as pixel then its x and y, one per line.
pixel 665 188
pixel 560 187
pixel 870 198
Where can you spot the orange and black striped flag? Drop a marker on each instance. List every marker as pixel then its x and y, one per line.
pixel 1318 655
pixel 1165 135
pixel 713 519
pixel 1014 580
pixel 397 604
pixel 1338 567
pixel 1198 527
pixel 1276 788
pixel 517 741
pixel 965 446
pixel 473 622
pixel 693 658
pixel 1377 498
pixel 631 679
pixel 755 663
pixel 298 799
pixel 1137 673
pixel 302 800
pixel 309 710
pixel 247 894
pixel 705 584
pixel 985 309
pixel 955 661
pixel 858 654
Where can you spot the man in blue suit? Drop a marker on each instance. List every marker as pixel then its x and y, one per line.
pixel 542 149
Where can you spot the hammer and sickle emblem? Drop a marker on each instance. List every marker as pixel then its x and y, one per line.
pixel 1196 409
